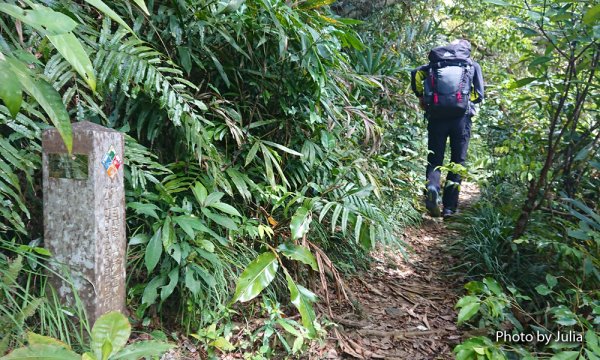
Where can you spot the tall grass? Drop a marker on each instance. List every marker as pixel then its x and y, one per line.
pixel 29 303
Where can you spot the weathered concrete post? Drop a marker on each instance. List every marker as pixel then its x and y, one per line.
pixel 84 215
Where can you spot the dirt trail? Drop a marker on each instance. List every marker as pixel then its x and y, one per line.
pixel 405 308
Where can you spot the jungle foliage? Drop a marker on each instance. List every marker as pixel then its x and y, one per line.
pixel 259 136
pixel 270 145
pixel 533 237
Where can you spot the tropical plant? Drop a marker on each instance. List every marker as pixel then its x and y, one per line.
pixel 108 339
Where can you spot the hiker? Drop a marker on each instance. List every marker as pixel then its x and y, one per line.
pixel 447 88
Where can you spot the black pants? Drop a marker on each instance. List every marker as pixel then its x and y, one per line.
pixel 459 131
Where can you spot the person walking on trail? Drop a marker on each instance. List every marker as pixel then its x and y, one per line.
pixel 447 88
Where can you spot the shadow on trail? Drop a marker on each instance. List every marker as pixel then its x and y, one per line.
pixel 403 309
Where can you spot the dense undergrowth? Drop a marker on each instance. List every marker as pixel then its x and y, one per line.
pixel 531 244
pixel 250 126
pixel 263 134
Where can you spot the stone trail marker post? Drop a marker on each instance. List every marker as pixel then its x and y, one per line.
pixel 84 216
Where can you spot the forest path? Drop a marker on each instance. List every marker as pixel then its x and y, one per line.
pixel 405 308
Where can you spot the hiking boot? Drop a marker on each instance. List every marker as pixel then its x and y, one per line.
pixel 448 213
pixel 432 201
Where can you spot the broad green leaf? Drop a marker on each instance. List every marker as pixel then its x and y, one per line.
pixel 300 223
pixel 542 289
pixel 224 221
pixel 493 285
pixel 144 209
pixel 42 352
pixel 167 290
pixel 226 208
pixel 189 224
pixel 200 192
pixel 168 233
pixel 465 354
pixel 302 302
pixel 10 88
pixel 154 250
pixel 142 349
pixel 257 276
pixel 48 98
pixel 222 344
pixel 468 311
pixel 138 239
pixel 72 50
pixel 142 5
pixel 112 327
pixel 100 5
pixel 465 300
pixel 208 245
pixel 551 281
pixel 592 15
pixel 36 339
pixel 42 18
pixel 299 253
pixel 474 287
pixel 287 326
pixel 191 282
pixel 213 197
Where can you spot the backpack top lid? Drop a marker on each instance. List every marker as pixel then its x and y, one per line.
pixel 456 50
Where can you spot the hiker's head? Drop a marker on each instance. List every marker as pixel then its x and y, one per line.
pixel 462 42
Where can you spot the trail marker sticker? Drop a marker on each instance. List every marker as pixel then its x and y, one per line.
pixel 111 162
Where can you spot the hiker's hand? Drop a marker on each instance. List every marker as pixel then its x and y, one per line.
pixel 422 103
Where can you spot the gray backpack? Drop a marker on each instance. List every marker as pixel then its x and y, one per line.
pixel 447 87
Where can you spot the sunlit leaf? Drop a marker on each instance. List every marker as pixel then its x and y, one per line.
pixel 467 311
pixel 257 276
pixel 154 250
pixel 42 352
pixel 302 299
pixel 100 5
pixel 112 327
pixel 300 223
pixel 48 98
pixel 72 50
pixel 10 88
pixel 41 18
pixel 299 253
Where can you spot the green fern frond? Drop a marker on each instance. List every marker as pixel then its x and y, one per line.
pixel 12 272
pixel 142 164
pixel 29 310
pixel 132 65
